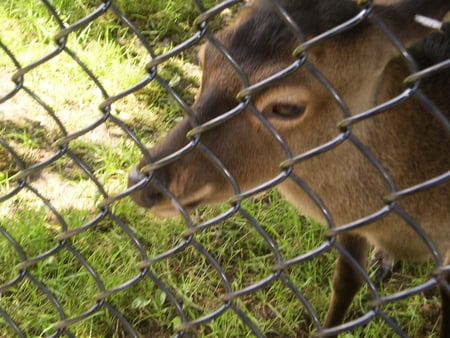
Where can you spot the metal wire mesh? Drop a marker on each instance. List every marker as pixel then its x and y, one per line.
pixel 32 263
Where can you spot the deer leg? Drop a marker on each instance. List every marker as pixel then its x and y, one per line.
pixel 346 280
pixel 384 264
pixel 444 331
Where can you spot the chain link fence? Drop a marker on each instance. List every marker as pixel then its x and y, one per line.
pixel 77 262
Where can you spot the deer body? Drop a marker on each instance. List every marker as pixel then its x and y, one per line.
pixel 366 70
pixel 412 158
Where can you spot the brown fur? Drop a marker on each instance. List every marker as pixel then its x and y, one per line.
pixel 365 70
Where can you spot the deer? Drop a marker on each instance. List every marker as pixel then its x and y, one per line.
pixel 366 69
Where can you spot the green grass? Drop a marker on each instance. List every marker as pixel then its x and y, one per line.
pixel 119 60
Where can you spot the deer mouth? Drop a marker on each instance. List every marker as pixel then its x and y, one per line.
pixel 161 204
pixel 167 208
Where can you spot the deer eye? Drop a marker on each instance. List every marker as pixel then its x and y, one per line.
pixel 284 110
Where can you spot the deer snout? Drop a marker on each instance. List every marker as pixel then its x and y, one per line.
pixel 145 195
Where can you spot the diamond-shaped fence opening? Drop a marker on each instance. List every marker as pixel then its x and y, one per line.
pixel 88 87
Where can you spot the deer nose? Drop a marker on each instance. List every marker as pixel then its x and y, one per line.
pixel 146 196
pixel 135 177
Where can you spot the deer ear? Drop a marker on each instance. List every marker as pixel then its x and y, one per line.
pixel 400 17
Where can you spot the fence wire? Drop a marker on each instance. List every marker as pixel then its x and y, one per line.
pixel 32 260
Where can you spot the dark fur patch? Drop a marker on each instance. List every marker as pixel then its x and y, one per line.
pixel 432 49
pixel 264 35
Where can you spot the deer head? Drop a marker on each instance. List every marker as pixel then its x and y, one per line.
pixel 298 106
